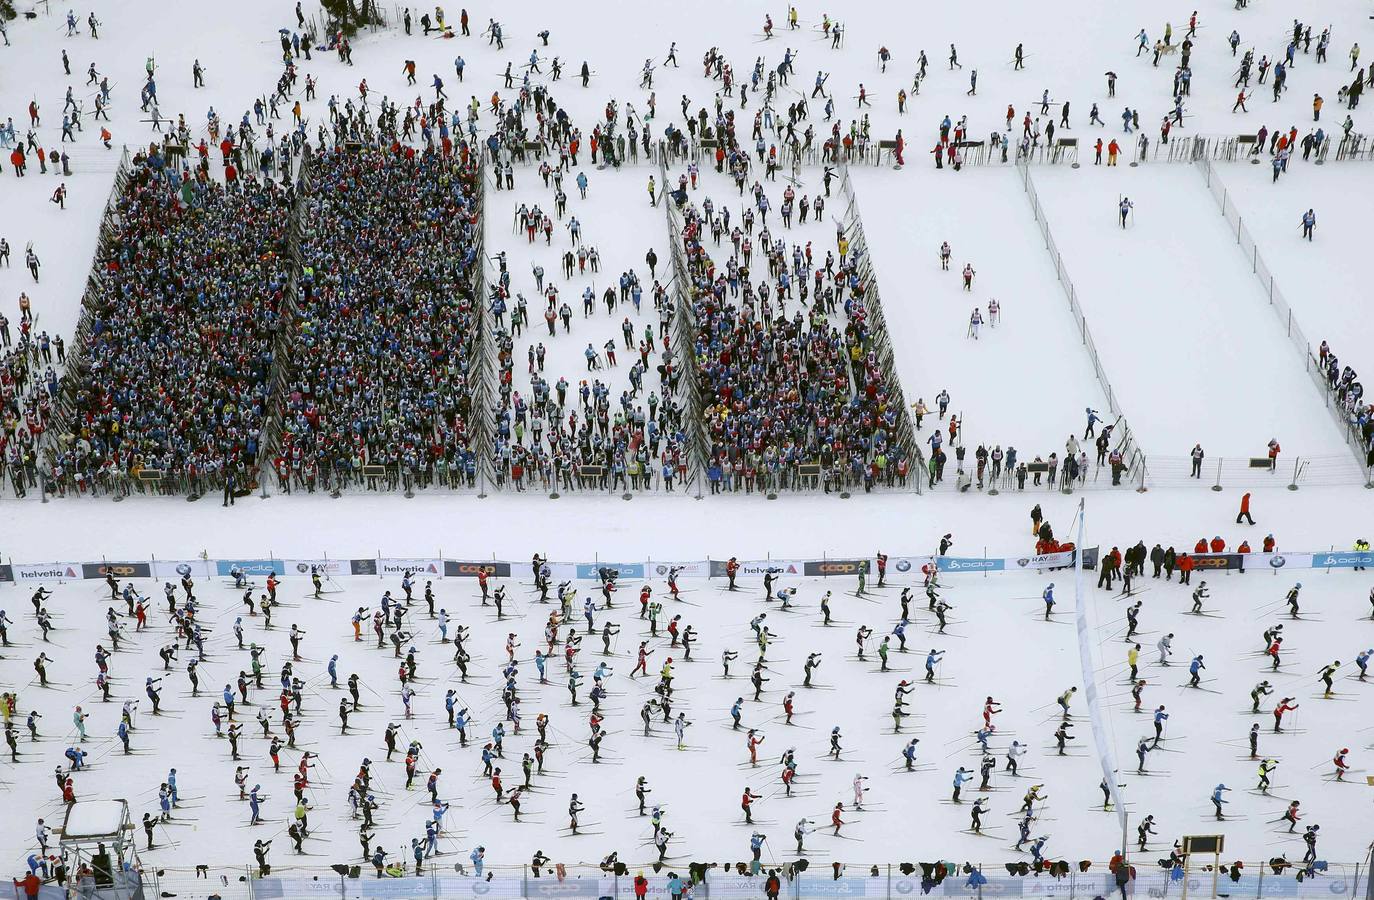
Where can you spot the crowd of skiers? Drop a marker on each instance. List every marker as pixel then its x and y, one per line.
pixel 780 391
pixel 555 435
pixel 387 338
pixel 30 384
pixel 175 362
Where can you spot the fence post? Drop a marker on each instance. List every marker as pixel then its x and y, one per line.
pixel 1217 486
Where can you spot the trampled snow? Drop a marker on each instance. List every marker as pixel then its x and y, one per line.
pixel 1192 351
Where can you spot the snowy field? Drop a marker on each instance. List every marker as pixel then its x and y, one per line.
pixel 996 630
pixel 1023 383
pixel 1192 353
pixel 1172 285
pixel 1321 280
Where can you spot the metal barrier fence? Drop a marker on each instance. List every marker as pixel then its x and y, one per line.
pixel 76 358
pixel 1237 879
pixel 287 318
pixel 1251 472
pixel 858 244
pixel 1138 148
pixel 683 345
pixel 484 388
pixel 1131 454
pixel 1292 329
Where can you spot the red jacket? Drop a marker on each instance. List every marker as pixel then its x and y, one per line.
pixel 1245 503
pixel 30 884
pixel 1184 563
pixel 1218 545
pixel 1201 546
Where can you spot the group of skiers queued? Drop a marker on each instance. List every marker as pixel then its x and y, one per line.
pixel 388 338
pixel 178 353
pixel 994 467
pixel 852 442
pixel 1343 382
pixel 776 388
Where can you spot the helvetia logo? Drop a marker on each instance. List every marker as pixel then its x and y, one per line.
pixel 57 572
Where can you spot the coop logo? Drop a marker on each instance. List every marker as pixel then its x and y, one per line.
pixel 118 570
pixel 47 572
pixel 1210 562
pixel 454 568
pixel 834 567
